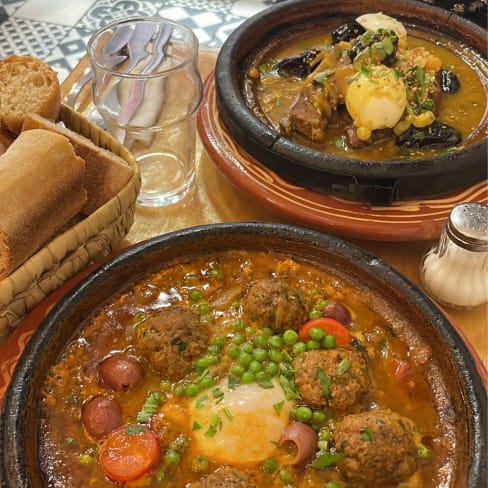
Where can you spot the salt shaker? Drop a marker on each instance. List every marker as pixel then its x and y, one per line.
pixel 455 271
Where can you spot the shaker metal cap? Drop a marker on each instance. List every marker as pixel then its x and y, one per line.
pixel 468 226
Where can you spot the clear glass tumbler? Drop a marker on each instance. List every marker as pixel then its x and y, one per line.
pixel 147 88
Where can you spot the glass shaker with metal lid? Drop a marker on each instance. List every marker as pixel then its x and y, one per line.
pixel 455 271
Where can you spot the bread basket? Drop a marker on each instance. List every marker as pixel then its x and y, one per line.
pixel 85 242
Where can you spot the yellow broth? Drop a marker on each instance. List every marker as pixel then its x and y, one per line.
pixel 70 458
pixel 271 97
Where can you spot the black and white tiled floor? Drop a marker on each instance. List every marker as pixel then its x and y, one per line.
pixel 58 30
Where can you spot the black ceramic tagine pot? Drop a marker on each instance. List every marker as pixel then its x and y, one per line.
pixel 458 389
pixel 362 180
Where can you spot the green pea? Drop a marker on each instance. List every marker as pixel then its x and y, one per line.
pixel 213 349
pixel 325 434
pixel 315 314
pixel 199 464
pixel 423 452
pixel 272 368
pixel 255 366
pixel 238 339
pixel 206 382
pixel 303 414
pixel 275 355
pixel 260 341
pixel 216 274
pixel 247 347
pixel 219 341
pixel 276 341
pixel 203 308
pixel 299 348
pixel 267 331
pixel 321 305
pixel 332 484
pixel 201 365
pixel 270 465
pixel 237 370
pixel 196 295
pixel 172 457
pixel 192 390
pixel 249 331
pixel 165 385
pixel 317 334
pixel 213 359
pixel 247 377
pixel 179 390
pixel 260 354
pixel 238 324
pixel 180 443
pixel 234 352
pixel 285 476
pixel 290 337
pixel 318 417
pixel 329 342
pixel 312 345
pixel 245 359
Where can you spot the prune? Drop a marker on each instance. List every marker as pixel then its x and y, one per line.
pixel 346 32
pixel 436 135
pixel 449 81
pixel 299 65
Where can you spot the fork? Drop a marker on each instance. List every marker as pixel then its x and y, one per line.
pixel 124 36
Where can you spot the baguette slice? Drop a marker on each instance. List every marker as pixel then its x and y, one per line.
pixel 27 84
pixel 41 189
pixel 105 173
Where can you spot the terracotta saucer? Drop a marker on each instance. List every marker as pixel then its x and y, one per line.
pixel 402 221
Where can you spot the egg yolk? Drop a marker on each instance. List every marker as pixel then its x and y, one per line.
pixel 243 425
pixel 376 98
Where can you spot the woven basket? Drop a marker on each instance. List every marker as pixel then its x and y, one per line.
pixel 81 245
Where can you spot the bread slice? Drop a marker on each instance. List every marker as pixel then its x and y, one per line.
pixel 5 141
pixel 105 174
pixel 27 84
pixel 41 189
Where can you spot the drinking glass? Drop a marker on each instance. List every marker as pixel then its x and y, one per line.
pixel 147 88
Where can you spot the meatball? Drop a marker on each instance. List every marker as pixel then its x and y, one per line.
pixel 273 303
pixel 225 478
pixel 172 340
pixel 333 378
pixel 379 448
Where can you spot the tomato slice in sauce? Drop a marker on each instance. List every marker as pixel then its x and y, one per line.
pixel 129 452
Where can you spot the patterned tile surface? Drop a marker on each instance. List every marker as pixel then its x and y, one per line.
pixel 61 40
pixel 42 27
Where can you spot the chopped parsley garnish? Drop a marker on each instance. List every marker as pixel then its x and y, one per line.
pixel 366 435
pixel 228 413
pixel 289 387
pixel 152 403
pixel 325 382
pixel 134 429
pixel 279 407
pixel 343 366
pixel 326 459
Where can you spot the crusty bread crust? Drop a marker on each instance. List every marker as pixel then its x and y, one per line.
pixel 105 173
pixel 27 84
pixel 5 141
pixel 41 190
